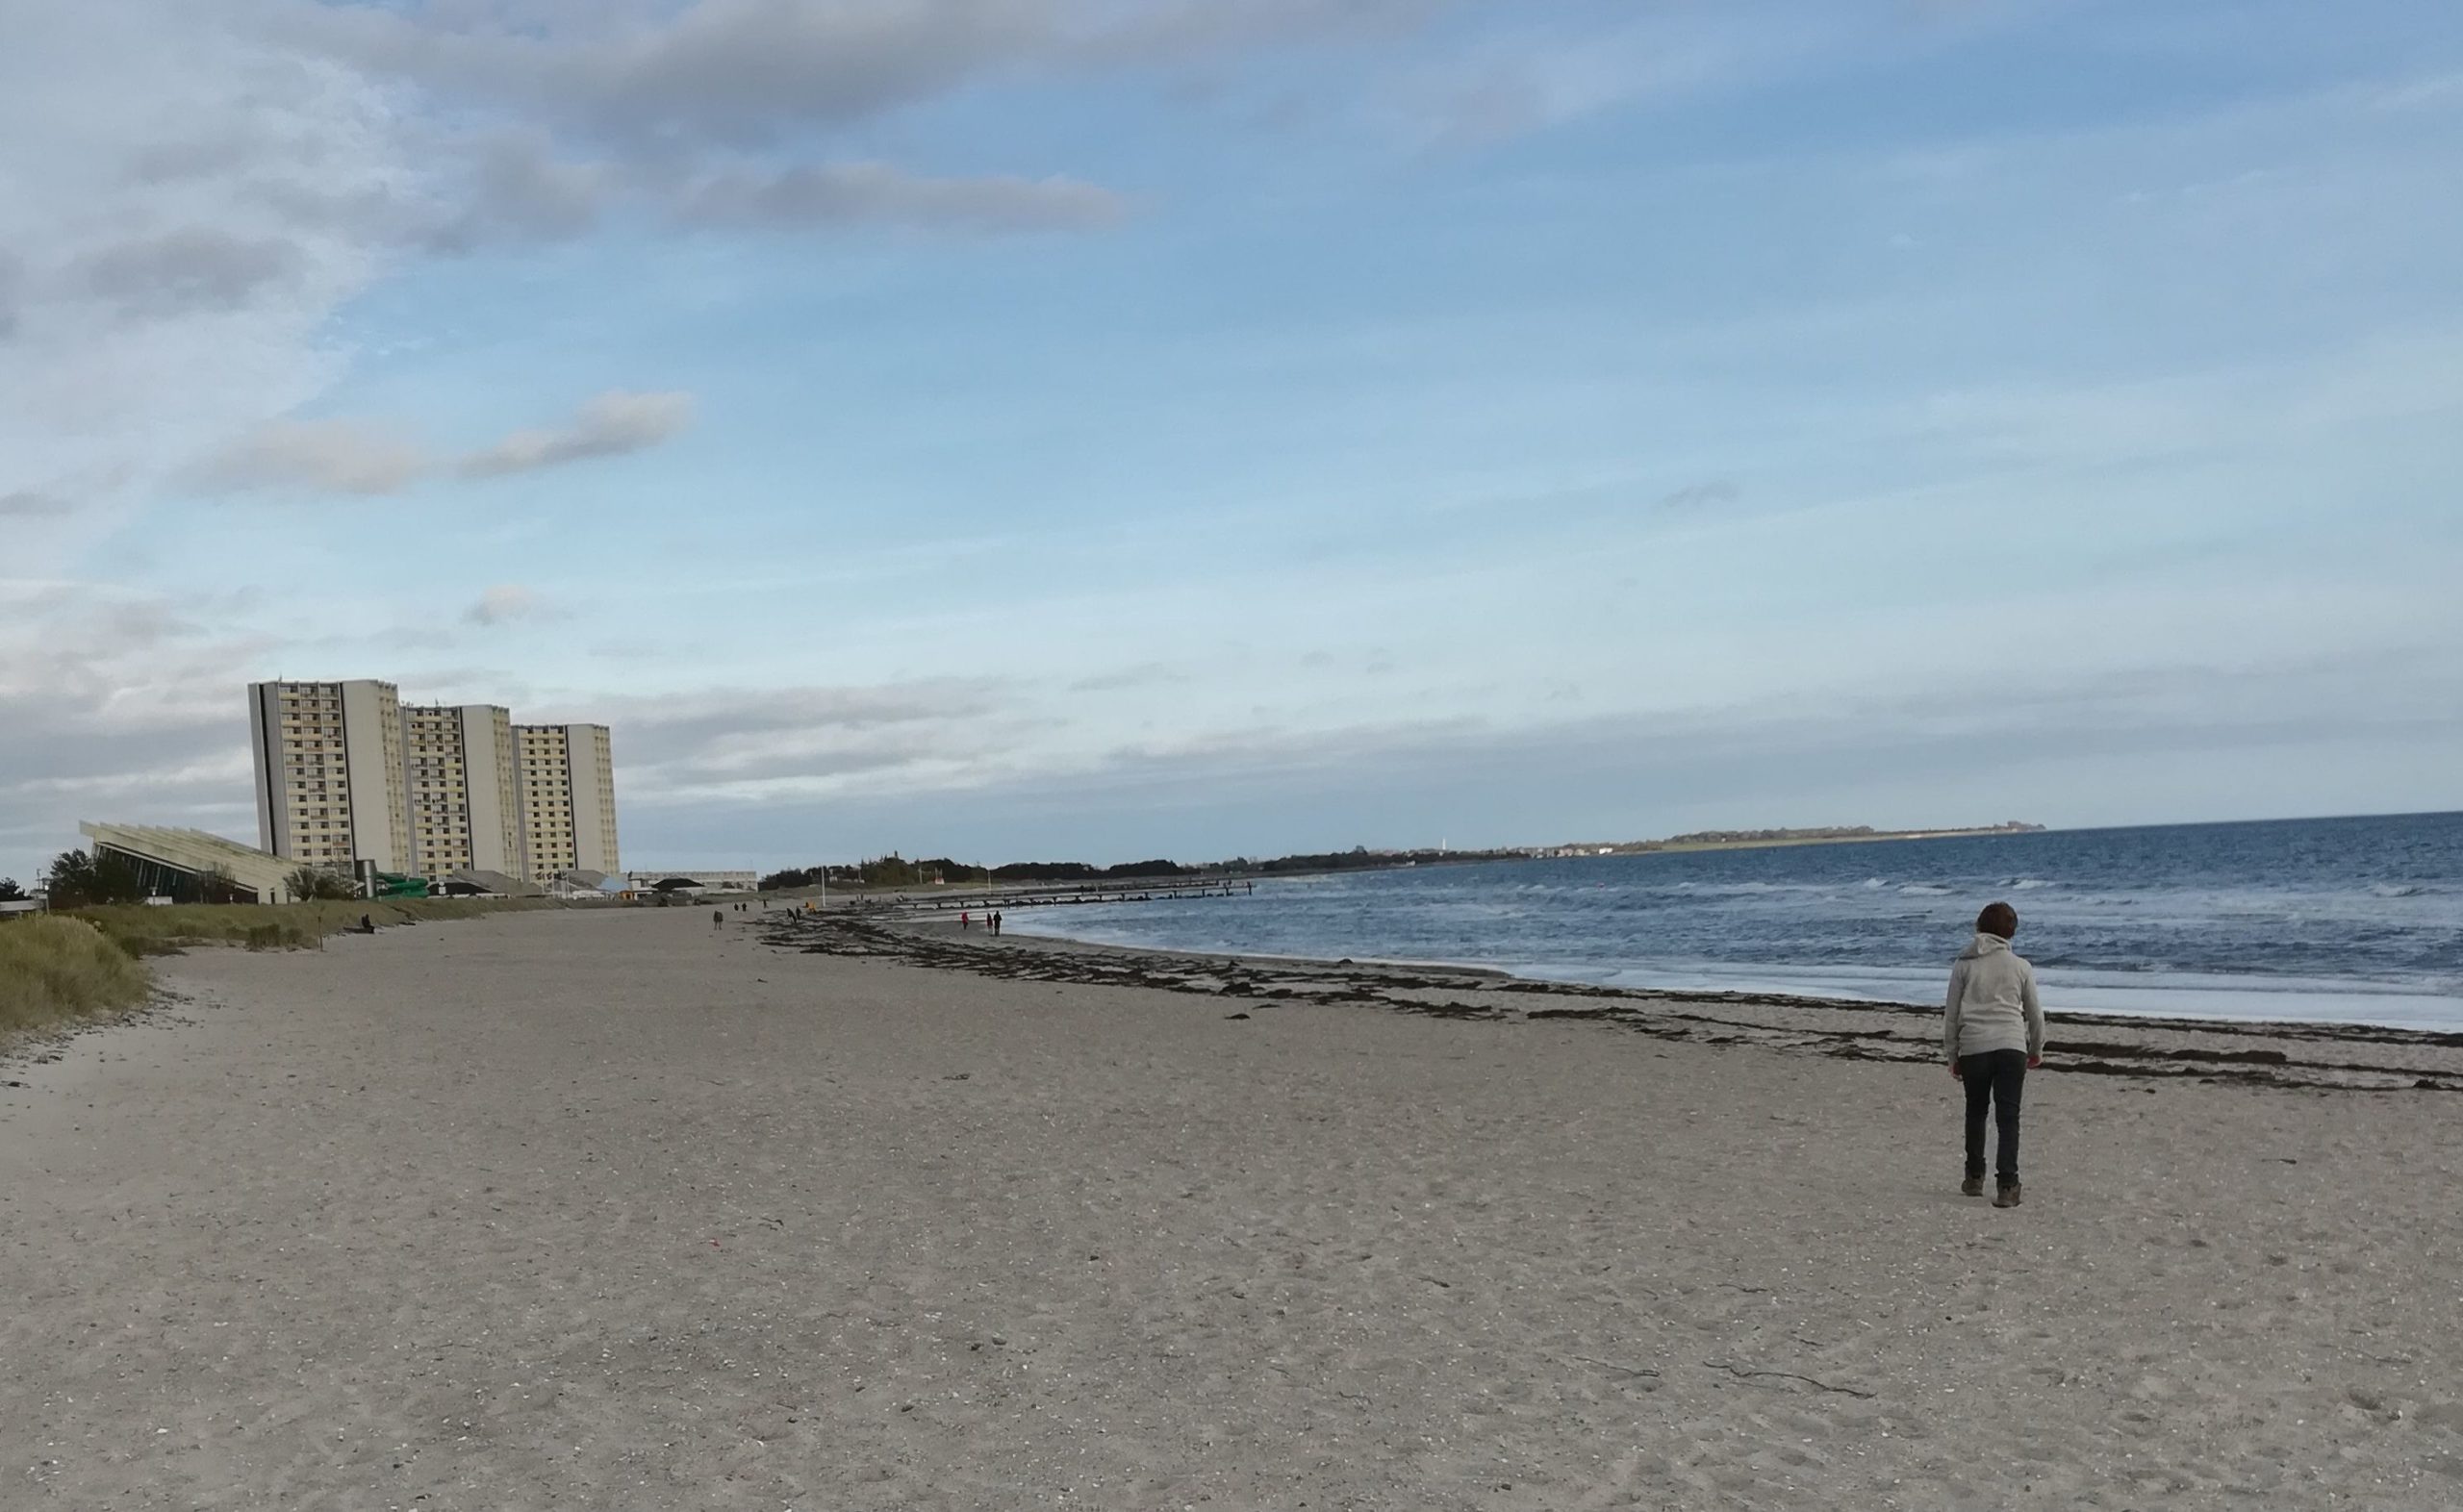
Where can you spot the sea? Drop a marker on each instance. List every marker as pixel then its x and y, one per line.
pixel 2329 920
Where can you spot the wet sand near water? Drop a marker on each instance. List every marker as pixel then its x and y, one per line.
pixel 615 1210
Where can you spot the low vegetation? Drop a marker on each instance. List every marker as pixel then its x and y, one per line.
pixel 141 930
pixel 318 885
pixel 56 971
pixel 894 872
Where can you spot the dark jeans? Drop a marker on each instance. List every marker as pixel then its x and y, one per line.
pixel 1999 1077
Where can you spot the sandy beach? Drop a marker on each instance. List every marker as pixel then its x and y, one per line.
pixel 615 1210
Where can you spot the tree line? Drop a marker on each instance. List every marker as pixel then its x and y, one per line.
pixel 894 872
pixel 79 879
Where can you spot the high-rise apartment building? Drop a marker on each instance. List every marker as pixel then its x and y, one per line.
pixel 568 800
pixel 465 789
pixel 329 773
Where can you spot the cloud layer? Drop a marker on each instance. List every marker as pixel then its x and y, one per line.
pixel 505 603
pixel 1098 391
pixel 609 425
pixel 862 194
pixel 319 457
pixel 354 457
pixel 170 264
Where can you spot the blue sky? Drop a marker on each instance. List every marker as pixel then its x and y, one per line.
pixel 1084 428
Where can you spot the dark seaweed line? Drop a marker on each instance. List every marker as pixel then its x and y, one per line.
pixel 1663 1017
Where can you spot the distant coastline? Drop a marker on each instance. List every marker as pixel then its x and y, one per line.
pixel 1772 839
pixel 894 874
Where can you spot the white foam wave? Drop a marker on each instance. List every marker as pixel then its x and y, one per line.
pixel 1748 889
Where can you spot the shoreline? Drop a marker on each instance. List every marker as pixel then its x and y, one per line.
pixel 2360 997
pixel 2295 1027
pixel 2344 1056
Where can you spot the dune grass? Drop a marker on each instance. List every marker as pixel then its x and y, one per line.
pixel 55 970
pixel 141 931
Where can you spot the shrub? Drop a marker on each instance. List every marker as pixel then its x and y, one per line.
pixel 78 880
pixel 315 884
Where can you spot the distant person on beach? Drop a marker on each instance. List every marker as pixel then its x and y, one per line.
pixel 996 921
pixel 1992 1032
pixel 718 919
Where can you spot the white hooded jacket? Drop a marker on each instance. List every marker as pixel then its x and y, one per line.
pixel 1992 1003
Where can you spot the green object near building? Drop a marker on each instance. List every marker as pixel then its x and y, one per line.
pixel 389 885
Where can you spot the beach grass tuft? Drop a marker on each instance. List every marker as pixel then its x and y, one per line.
pixel 53 971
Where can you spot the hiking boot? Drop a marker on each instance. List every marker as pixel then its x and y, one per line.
pixel 2006 1196
pixel 1973 1186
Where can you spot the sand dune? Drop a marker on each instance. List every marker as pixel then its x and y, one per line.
pixel 617 1211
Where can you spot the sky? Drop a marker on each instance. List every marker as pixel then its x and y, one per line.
pixel 1101 429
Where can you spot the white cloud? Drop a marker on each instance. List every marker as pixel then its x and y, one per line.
pixel 185 269
pixel 318 456
pixel 609 425
pixel 736 112
pixel 722 72
pixel 155 303
pixel 730 745
pixel 506 602
pixel 358 456
pixel 519 191
pixel 728 75
pixel 215 184
pixel 115 705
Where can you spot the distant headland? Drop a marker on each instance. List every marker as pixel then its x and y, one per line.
pixel 894 872
pixel 1817 835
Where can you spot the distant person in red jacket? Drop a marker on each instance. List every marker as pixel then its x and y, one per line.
pixel 1992 1032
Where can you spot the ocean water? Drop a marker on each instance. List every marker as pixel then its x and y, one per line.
pixel 2357 921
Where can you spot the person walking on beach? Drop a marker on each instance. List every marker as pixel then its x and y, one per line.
pixel 718 920
pixel 996 921
pixel 1992 1032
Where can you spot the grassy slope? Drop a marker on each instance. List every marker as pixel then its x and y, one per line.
pixel 55 970
pixel 160 931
